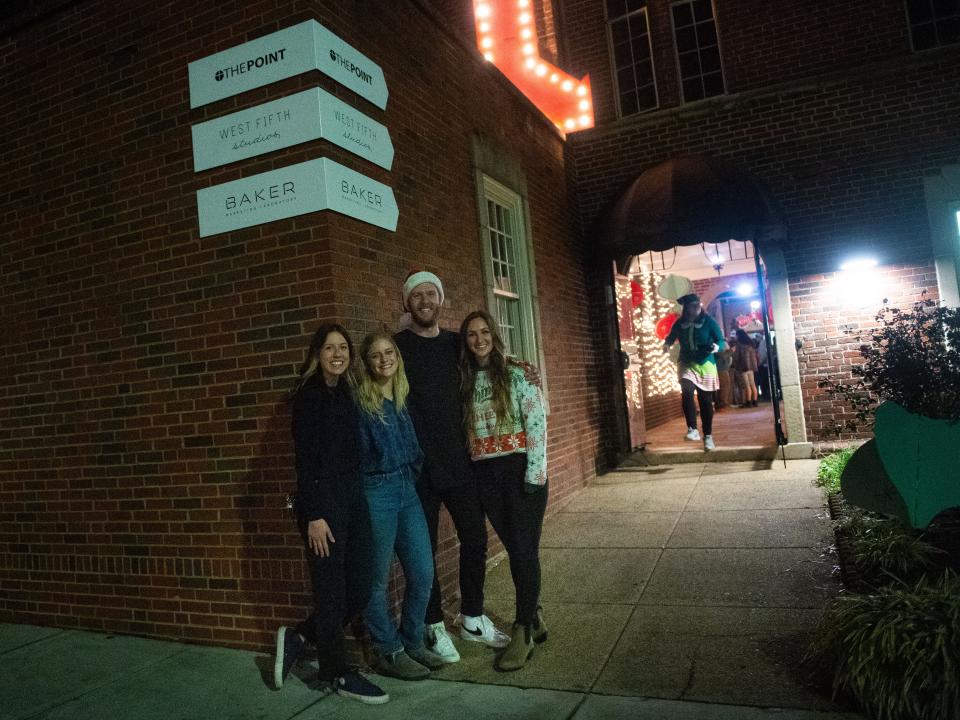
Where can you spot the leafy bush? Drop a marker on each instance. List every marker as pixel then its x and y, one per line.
pixel 831 467
pixel 886 551
pixel 897 651
pixel 911 358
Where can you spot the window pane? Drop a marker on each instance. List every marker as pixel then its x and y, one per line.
pixel 692 90
pixel 948 31
pixel 631 57
pixel 919 11
pixel 644 73
pixel 706 34
pixel 944 8
pixel 689 64
pixel 638 24
pixel 702 10
pixel 924 36
pixel 712 84
pixel 619 32
pixel 710 59
pixel 682 15
pixel 646 98
pixel 628 103
pixel 635 5
pixel 616 8
pixel 686 39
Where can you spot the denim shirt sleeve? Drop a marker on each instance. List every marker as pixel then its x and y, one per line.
pixel 389 442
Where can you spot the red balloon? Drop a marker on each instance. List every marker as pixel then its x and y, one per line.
pixel 665 324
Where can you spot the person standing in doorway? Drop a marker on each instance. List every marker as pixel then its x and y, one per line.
pixel 507 427
pixel 724 397
pixel 432 356
pixel 745 364
pixel 332 516
pixel 699 337
pixel 391 460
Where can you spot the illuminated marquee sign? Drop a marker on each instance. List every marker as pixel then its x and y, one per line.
pixel 506 36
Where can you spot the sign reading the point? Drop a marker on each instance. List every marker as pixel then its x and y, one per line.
pixel 306 187
pixel 308 115
pixel 285 53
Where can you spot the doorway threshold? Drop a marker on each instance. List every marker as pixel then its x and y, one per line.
pixel 648 458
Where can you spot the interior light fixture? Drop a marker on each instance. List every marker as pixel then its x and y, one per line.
pixel 745 289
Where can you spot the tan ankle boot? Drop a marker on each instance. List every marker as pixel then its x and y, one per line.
pixel 539 627
pixel 518 651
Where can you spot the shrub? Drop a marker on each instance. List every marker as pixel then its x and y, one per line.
pixel 897 651
pixel 886 551
pixel 911 358
pixel 830 469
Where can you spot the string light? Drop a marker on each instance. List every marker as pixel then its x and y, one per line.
pixel 659 371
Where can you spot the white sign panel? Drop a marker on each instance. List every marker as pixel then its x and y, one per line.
pixel 291 120
pixel 285 53
pixel 306 187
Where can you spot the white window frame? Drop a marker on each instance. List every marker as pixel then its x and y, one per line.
pixel 676 52
pixel 613 63
pixel 526 290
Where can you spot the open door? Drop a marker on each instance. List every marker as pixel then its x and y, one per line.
pixel 627 302
pixel 773 373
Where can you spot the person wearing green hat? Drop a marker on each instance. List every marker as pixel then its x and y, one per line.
pixel 700 337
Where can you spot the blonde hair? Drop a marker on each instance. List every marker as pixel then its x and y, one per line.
pixel 369 395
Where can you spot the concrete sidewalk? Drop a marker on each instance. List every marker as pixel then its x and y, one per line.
pixel 670 592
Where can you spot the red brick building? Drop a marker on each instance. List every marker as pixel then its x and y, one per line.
pixel 144 434
pixel 848 111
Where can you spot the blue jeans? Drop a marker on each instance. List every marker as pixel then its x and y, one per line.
pixel 398 526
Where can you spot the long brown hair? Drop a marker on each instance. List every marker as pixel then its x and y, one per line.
pixel 310 364
pixel 498 369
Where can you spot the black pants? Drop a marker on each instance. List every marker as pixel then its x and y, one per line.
pixel 463 504
pixel 518 519
pixel 705 400
pixel 341 586
pixel 763 383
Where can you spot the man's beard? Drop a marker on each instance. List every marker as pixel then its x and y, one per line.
pixel 426 323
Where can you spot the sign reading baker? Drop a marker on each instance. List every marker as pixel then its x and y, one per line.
pixel 306 187
pixel 285 53
pixel 298 118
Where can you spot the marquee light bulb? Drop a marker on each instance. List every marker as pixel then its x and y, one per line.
pixel 529 49
pixel 566 86
pixel 554 78
pixel 486 42
pixel 570 123
pixel 484 27
pixel 526 33
pixel 541 70
pixel 584 104
pixel 523 3
pixel 524 18
pixel 582 90
pixel 488 56
pixel 584 120
pixel 530 62
pixel 482 10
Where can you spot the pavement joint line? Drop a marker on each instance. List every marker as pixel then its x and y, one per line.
pixel 127 673
pixel 34 642
pixel 691 672
pixel 576 708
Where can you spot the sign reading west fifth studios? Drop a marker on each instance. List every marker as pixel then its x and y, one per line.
pixel 306 187
pixel 320 184
pixel 298 118
pixel 285 53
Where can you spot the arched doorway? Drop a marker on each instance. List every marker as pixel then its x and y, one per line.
pixel 702 204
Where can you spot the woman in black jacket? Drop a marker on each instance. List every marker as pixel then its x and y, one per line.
pixel 332 516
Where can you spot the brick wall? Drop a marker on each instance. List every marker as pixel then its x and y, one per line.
pixel 144 436
pixel 844 153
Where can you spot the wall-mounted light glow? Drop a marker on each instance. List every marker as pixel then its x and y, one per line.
pixel 754 304
pixel 860 263
pixel 745 289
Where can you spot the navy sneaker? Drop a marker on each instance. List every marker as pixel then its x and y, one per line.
pixel 289 649
pixel 353 685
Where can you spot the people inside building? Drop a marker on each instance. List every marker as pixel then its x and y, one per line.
pixel 724 396
pixel 506 425
pixel 763 368
pixel 390 460
pixel 745 365
pixel 700 337
pixel 332 516
pixel 431 356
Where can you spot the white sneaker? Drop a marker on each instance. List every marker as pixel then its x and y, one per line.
pixel 708 443
pixel 439 642
pixel 692 434
pixel 482 629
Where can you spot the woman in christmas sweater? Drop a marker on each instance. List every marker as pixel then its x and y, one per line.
pixel 699 337
pixel 507 428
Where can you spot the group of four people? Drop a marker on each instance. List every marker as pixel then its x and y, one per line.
pixel 424 418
